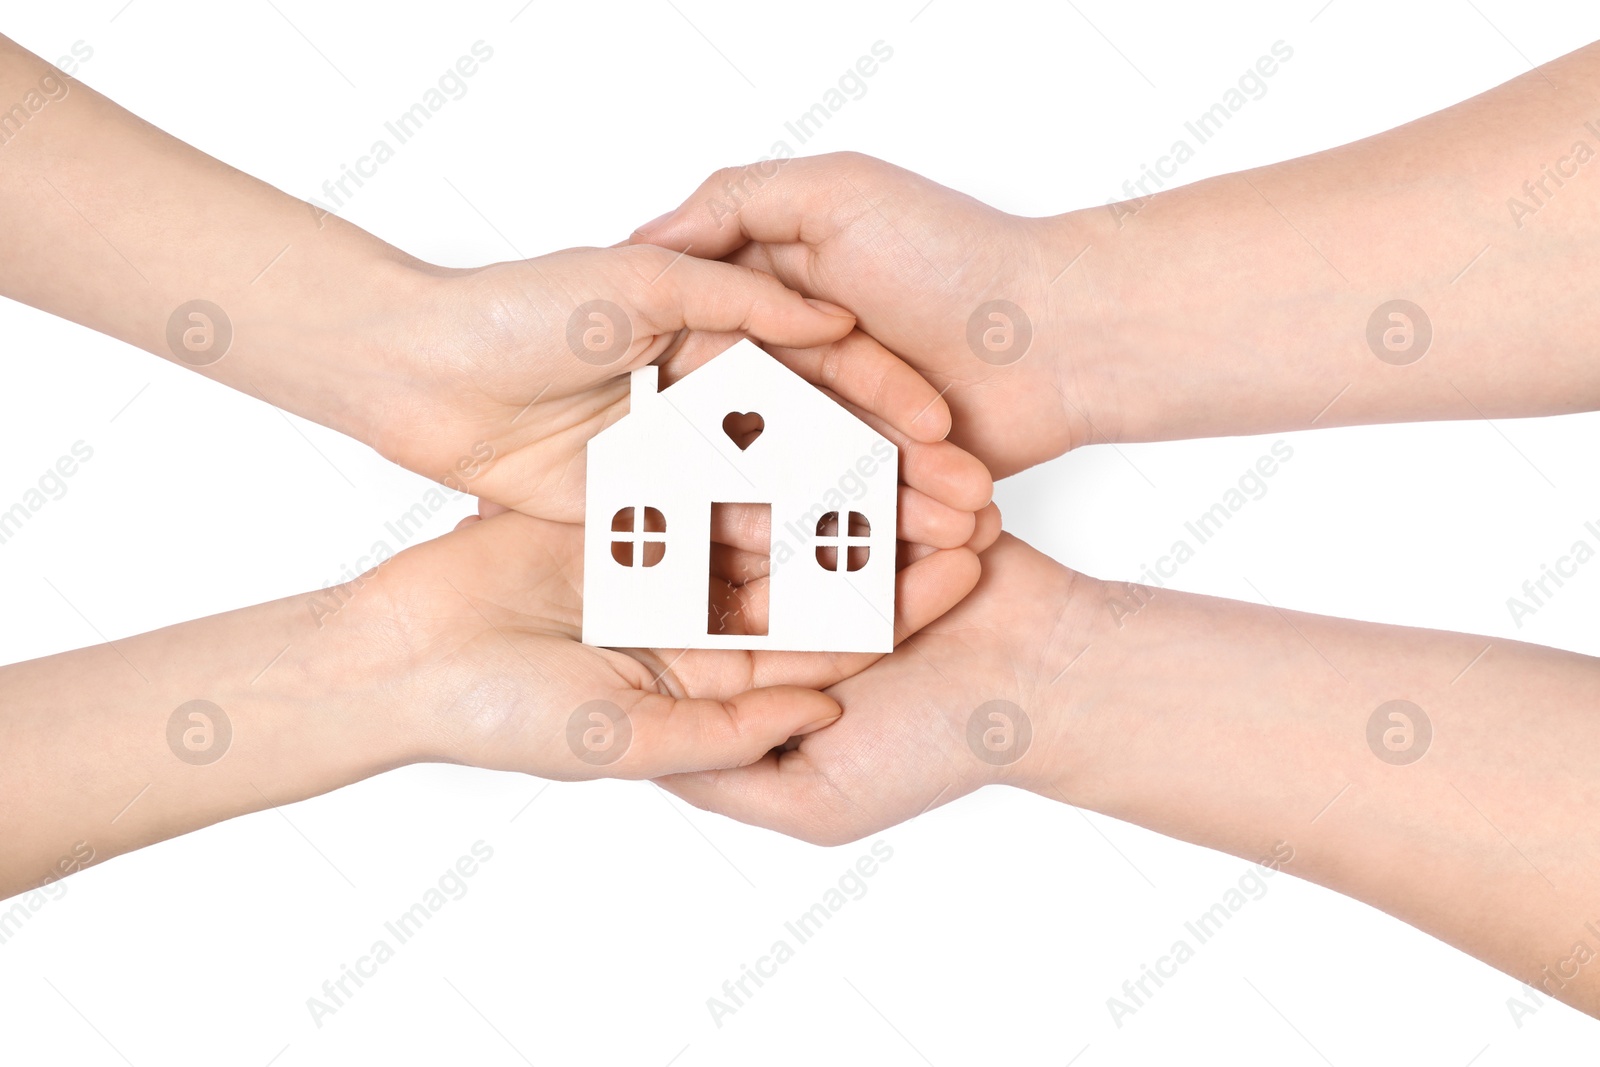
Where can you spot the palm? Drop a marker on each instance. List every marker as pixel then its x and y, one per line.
pixel 903 744
pixel 495 611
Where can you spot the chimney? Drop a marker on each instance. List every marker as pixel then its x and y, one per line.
pixel 642 386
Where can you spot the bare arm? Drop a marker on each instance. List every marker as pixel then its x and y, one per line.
pixel 462 649
pixel 1467 811
pixel 1248 303
pixel 114 224
pixel 495 376
pixel 1440 270
pixel 1446 779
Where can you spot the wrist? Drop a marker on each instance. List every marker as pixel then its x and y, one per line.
pixel 1039 621
pixel 322 330
pixel 368 647
pixel 449 668
pixel 1080 257
pixel 1068 699
pixel 348 682
pixel 340 336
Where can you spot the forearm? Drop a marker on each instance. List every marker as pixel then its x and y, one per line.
pixel 1252 731
pixel 112 223
pixel 110 748
pixel 1242 304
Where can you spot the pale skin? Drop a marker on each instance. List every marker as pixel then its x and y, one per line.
pixel 1143 338
pixel 463 649
pixel 1236 305
pixel 114 224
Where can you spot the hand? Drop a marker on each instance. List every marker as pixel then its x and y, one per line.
pixel 491 380
pixel 916 262
pixel 501 375
pixel 486 620
pixel 464 648
pixel 905 742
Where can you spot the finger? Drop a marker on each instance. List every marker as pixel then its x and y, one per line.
pixel 670 735
pixel 737 566
pixel 858 369
pixel 747 527
pixel 944 471
pixel 948 473
pixel 783 791
pixel 775 201
pixel 924 590
pixel 675 292
pixel 786 262
pixel 790 264
pixel 488 509
pixel 737 609
pixel 986 528
pixel 926 521
pixel 932 586
pixel 468 520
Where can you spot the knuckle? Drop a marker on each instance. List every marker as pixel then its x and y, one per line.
pixel 721 728
pixel 730 175
pixel 645 257
pixel 832 365
pixel 638 268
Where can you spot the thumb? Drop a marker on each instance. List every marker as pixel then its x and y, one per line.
pixel 785 201
pixel 700 294
pixel 671 735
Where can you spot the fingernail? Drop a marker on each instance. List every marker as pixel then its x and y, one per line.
pixel 819 724
pixel 657 221
pixel 830 309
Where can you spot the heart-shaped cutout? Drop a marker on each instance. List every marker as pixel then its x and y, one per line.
pixel 743 427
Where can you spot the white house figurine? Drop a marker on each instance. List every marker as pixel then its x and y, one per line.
pixel 741 430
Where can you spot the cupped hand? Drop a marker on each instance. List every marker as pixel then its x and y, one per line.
pixel 498 377
pixel 963 703
pixel 488 618
pixel 968 295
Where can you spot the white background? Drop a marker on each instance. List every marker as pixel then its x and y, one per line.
pixel 610 912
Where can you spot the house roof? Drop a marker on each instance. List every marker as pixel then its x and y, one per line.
pixel 742 378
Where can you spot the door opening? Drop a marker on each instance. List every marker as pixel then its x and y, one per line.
pixel 741 557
